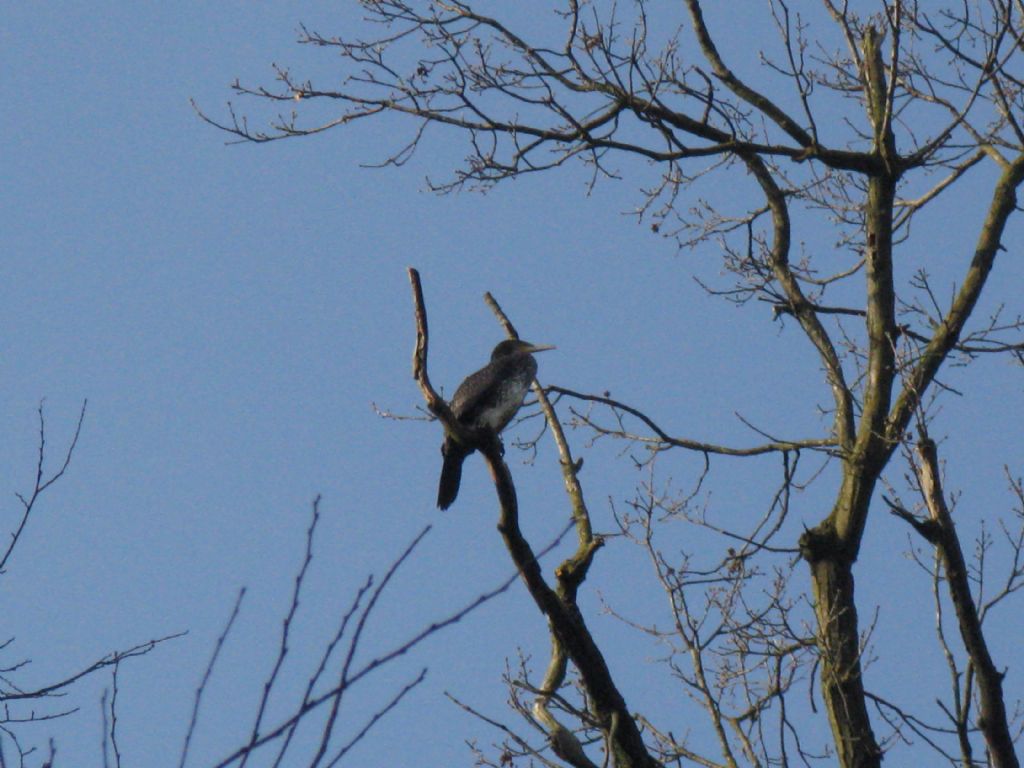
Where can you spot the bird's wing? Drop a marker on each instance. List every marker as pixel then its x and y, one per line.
pixel 473 392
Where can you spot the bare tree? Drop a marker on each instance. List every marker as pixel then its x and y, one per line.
pixel 860 118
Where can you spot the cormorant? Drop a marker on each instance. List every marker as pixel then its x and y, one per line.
pixel 487 399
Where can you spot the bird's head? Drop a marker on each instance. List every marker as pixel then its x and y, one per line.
pixel 517 346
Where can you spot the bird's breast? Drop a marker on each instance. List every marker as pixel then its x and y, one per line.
pixel 505 402
pixel 508 398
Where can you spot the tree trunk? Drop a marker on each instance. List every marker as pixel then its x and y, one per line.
pixel 842 686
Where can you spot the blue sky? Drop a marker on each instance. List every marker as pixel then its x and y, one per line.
pixel 233 313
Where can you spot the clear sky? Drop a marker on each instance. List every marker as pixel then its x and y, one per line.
pixel 232 315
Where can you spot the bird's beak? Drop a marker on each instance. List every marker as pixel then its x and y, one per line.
pixel 540 348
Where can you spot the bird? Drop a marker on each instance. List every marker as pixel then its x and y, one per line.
pixel 487 399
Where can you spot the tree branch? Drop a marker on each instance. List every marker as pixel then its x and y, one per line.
pixel 992 719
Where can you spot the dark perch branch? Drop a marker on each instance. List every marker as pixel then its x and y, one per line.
pixel 567 624
pixel 435 403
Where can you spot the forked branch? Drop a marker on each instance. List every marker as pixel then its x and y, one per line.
pixel 568 627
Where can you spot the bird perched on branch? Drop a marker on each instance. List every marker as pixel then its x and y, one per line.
pixel 487 399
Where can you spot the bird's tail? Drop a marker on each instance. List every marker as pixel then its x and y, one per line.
pixel 451 473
